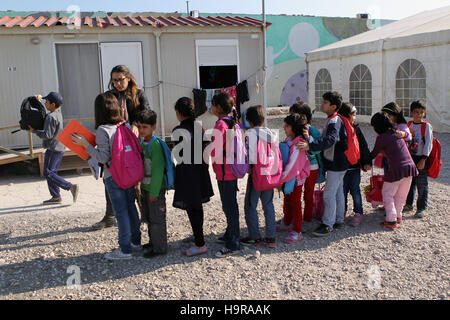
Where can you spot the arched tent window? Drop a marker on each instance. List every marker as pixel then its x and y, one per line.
pixel 322 85
pixel 410 84
pixel 361 89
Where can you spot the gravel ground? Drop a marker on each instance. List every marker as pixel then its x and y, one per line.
pixel 39 244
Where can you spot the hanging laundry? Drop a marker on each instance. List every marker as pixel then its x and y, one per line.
pixel 231 91
pixel 242 95
pixel 209 96
pixel 199 101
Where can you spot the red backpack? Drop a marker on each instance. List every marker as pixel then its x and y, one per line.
pixel 352 152
pixel 434 161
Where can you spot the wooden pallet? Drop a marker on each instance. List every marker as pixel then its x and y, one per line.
pixel 70 160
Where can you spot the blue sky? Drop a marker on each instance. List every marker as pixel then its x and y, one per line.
pixel 384 9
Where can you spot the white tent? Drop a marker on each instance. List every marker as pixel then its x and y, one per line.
pixel 403 61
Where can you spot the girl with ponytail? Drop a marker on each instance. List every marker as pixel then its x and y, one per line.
pixel 222 108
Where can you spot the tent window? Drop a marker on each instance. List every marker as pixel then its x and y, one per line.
pixel 410 84
pixel 361 89
pixel 322 85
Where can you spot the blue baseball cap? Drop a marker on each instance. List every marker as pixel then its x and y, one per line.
pixel 54 97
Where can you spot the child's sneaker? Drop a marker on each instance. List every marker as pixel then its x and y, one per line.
pixel 194 251
pixel 391 225
pixel 118 255
pixel 74 191
pixel 53 201
pixel 356 220
pixel 250 242
pixel 225 252
pixel 282 227
pixel 420 214
pixel 322 231
pixel 407 208
pixel 293 237
pixel 270 242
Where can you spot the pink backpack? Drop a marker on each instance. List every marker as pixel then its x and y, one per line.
pixel 127 167
pixel 268 170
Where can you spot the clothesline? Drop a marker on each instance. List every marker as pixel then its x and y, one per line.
pixel 187 87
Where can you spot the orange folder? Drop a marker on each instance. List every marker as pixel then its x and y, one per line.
pixel 75 127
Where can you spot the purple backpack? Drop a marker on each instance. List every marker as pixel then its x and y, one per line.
pixel 127 167
pixel 238 159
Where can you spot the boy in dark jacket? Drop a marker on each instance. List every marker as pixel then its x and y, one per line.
pixel 53 126
pixel 333 144
pixel 352 178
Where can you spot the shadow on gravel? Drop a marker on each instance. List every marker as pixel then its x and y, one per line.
pixel 4 211
pixel 42 273
pixel 4 240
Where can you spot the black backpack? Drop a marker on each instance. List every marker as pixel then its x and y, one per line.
pixel 32 113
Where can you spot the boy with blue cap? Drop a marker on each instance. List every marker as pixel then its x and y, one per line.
pixel 53 126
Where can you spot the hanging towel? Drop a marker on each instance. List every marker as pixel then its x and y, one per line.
pixel 199 101
pixel 209 96
pixel 242 95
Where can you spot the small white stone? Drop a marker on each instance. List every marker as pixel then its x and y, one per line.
pixel 257 254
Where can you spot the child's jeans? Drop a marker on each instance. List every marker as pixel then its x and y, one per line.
pixel 394 197
pixel 52 160
pixel 251 215
pixel 333 198
pixel 421 181
pixel 228 192
pixel 155 213
pixel 352 180
pixel 292 208
pixel 308 196
pixel 123 202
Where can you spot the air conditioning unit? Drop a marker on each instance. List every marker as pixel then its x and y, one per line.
pixel 362 16
pixel 194 13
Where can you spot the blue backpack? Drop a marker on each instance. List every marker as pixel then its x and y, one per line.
pixel 289 186
pixel 169 168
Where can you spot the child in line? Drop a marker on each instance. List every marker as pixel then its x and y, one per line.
pixel 255 117
pixel 395 114
pixel 107 115
pixel 192 180
pixel 333 143
pixel 401 168
pixel 420 149
pixel 53 125
pixel 298 166
pixel 313 156
pixel 222 107
pixel 152 186
pixel 352 178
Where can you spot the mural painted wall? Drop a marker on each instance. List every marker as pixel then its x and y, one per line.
pixel 289 38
